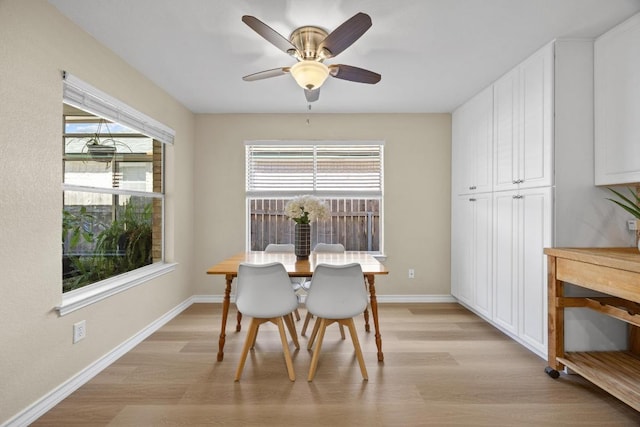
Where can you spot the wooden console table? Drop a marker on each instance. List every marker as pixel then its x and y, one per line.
pixel 616 273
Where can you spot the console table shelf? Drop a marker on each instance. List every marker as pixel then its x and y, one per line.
pixel 612 271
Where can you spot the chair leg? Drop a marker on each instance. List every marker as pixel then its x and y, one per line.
pixel 308 317
pixel 316 353
pixel 356 345
pixel 342 331
pixel 291 326
pixel 314 333
pixel 253 344
pixel 248 343
pixel 297 313
pixel 285 348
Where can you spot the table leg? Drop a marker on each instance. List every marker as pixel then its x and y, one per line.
pixel 366 320
pixel 556 317
pixel 225 312
pixel 374 312
pixel 239 321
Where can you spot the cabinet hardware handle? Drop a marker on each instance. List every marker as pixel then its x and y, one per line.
pixel 518 196
pixel 473 187
pixel 472 200
pixel 515 181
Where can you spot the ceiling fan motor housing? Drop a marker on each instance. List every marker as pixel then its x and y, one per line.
pixel 307 40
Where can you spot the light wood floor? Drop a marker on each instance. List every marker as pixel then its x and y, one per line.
pixel 443 366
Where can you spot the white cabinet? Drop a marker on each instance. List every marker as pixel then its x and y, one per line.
pixel 542 136
pixel 472 145
pixel 471 240
pixel 617 104
pixel 523 111
pixel 522 228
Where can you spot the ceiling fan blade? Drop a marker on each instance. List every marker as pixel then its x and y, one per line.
pixel 266 74
pixel 312 95
pixel 345 35
pixel 270 35
pixel 354 74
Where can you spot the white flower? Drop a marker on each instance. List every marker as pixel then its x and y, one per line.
pixel 306 209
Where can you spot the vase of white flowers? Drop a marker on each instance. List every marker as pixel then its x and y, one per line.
pixel 304 210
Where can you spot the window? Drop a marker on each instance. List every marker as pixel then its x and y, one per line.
pixel 347 175
pixel 113 195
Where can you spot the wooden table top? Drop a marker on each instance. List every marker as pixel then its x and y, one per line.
pixel 296 268
pixel 626 258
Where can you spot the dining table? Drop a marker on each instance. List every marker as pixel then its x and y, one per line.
pixel 371 267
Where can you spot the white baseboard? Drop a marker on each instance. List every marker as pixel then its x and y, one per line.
pixel 381 298
pixel 51 399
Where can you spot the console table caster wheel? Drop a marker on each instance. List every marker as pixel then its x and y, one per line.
pixel 552 372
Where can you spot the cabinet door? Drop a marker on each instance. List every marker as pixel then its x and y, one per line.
pixel 536 117
pixel 522 229
pixel 481 140
pixel 617 104
pixel 461 251
pixel 460 150
pixel 472 145
pixel 523 124
pixel 505 260
pixel 505 162
pixel 471 251
pixel 535 228
pixel 482 243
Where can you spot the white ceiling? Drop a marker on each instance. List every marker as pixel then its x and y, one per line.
pixel 433 54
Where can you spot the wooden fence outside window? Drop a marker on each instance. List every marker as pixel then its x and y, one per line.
pixel 354 222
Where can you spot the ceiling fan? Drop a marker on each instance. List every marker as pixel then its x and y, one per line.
pixel 311 45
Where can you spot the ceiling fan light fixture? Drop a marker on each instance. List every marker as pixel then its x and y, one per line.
pixel 310 75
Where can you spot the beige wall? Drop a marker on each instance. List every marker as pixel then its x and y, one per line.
pixel 417 208
pixel 36 43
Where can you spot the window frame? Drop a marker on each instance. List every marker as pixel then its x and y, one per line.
pixel 253 194
pixel 83 96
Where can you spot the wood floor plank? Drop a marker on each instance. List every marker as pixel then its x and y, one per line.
pixel 444 366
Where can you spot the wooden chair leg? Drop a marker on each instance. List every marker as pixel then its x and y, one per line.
pixel 356 345
pixel 285 348
pixel 297 313
pixel 291 326
pixel 248 343
pixel 308 317
pixel 253 344
pixel 316 353
pixel 314 333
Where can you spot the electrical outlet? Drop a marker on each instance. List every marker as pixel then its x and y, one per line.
pixel 412 273
pixel 79 331
pixel 631 225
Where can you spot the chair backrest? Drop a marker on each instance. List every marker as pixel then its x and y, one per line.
pixel 329 247
pixel 264 291
pixel 280 247
pixel 337 291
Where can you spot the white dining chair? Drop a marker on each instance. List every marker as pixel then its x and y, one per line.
pixel 264 293
pixel 336 295
pixel 320 248
pixel 296 282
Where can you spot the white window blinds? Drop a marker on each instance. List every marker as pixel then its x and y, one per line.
pixel 86 97
pixel 323 169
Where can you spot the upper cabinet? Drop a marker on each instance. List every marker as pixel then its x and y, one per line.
pixel 617 104
pixel 523 120
pixel 472 145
